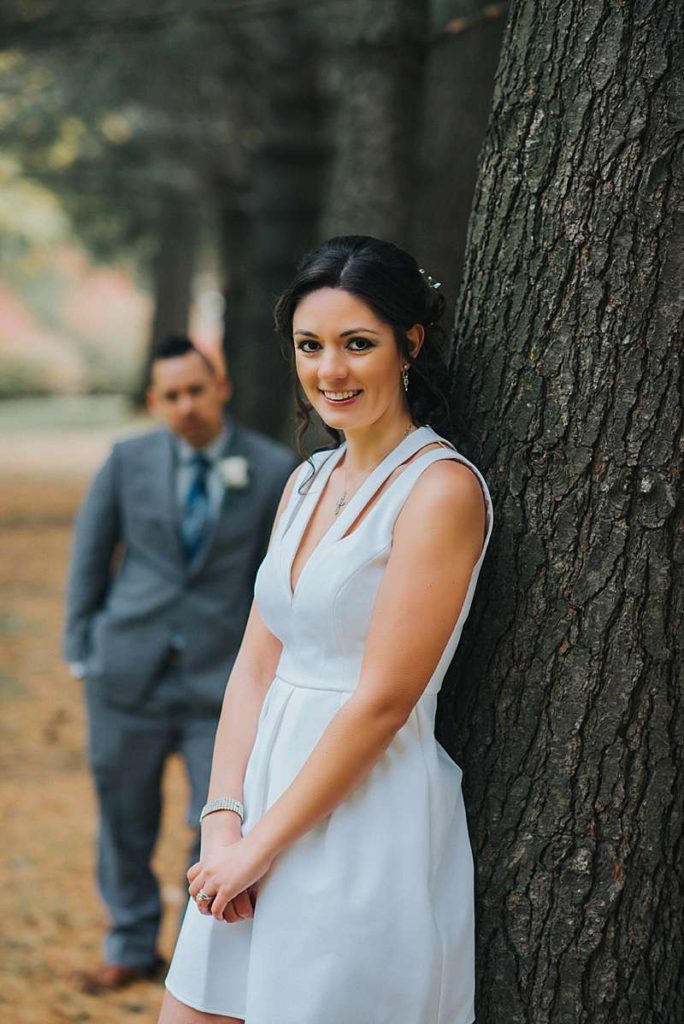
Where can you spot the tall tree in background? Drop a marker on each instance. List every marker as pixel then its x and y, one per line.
pixel 465 44
pixel 377 51
pixel 270 221
pixel 173 268
pixel 568 719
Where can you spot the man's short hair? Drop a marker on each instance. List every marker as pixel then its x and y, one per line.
pixel 179 345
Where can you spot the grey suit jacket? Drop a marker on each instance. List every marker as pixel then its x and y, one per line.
pixel 130 590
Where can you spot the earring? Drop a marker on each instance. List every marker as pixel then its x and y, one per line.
pixel 404 377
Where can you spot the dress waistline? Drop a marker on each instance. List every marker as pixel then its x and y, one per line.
pixel 307 684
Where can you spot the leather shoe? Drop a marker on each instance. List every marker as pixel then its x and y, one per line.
pixel 114 977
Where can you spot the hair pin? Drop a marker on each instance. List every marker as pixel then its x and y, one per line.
pixel 428 278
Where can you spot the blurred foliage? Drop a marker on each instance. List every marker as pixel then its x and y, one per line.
pixel 258 123
pixel 112 104
pixel 109 125
pixel 120 112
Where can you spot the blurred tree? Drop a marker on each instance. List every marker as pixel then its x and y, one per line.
pixel 130 119
pixel 172 273
pixel 271 218
pixel 211 108
pixel 465 44
pixel 568 333
pixel 373 78
pixel 235 116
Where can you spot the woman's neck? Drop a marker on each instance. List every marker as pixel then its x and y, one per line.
pixel 366 448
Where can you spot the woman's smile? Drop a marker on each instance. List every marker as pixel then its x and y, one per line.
pixel 340 397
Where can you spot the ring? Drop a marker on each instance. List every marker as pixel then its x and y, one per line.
pixel 202 896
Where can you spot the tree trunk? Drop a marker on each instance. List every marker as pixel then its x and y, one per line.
pixel 375 79
pixel 233 235
pixel 172 274
pixel 279 223
pixel 567 718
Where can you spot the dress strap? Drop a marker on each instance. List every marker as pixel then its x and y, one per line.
pixel 323 464
pixel 404 450
pixel 394 498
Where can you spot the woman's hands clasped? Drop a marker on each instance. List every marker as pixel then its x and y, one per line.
pixel 228 871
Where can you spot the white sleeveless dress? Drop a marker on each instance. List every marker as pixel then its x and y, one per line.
pixel 368 918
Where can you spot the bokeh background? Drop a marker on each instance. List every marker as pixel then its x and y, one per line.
pixel 162 168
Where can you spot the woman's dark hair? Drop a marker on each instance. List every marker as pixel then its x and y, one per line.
pixel 399 293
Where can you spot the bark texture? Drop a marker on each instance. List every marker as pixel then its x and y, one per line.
pixel 565 702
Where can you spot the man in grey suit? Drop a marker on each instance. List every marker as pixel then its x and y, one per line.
pixel 166 548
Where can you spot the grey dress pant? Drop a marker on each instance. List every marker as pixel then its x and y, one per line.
pixel 128 750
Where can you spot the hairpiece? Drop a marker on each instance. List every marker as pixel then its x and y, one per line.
pixel 428 278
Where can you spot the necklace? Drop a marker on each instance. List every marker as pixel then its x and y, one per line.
pixel 344 497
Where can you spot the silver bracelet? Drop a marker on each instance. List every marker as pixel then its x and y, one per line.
pixel 223 803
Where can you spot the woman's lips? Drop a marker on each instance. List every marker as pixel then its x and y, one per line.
pixel 346 397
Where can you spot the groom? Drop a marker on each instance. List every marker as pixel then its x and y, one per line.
pixel 166 547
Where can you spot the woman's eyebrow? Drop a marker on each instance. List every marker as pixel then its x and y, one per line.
pixel 343 334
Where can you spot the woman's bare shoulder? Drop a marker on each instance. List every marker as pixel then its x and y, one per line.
pixel 445 503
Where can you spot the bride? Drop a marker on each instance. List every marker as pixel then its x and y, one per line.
pixel 335 881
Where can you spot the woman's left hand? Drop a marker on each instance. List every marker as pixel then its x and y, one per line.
pixel 238 868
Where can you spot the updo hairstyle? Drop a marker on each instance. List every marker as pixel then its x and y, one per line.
pixel 391 283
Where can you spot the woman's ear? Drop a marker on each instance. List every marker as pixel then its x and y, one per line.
pixel 415 337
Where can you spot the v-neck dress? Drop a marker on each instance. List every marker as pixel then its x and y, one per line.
pixel 368 918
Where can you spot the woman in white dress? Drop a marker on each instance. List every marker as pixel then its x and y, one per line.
pixel 346 894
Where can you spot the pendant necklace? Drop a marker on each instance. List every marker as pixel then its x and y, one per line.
pixel 343 499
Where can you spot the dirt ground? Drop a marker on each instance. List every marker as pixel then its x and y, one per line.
pixel 51 920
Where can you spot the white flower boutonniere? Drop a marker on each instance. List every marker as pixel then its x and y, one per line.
pixel 235 472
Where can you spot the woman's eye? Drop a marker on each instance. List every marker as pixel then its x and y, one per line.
pixel 307 345
pixel 360 344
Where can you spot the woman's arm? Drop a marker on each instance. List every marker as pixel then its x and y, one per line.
pixel 249 681
pixel 437 541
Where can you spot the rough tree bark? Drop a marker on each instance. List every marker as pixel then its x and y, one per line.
pixel 564 705
pixel 375 77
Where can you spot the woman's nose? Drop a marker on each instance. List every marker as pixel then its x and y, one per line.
pixel 332 366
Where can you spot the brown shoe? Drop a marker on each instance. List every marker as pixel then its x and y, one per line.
pixel 113 977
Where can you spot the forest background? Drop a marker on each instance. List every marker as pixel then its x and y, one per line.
pixel 164 166
pixel 167 168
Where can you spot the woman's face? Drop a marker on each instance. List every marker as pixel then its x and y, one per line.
pixel 347 360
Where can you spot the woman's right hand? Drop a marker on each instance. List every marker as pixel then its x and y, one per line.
pixel 217 834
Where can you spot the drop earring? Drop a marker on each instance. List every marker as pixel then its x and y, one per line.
pixel 404 377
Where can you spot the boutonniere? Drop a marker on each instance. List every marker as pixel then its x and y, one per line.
pixel 234 472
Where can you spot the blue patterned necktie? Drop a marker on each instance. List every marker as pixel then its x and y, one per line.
pixel 195 519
